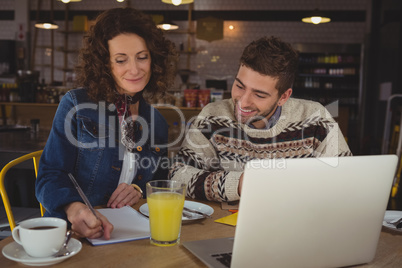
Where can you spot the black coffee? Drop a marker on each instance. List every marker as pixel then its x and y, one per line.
pixel 42 228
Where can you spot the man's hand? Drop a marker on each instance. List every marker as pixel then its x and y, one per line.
pixel 124 195
pixel 240 184
pixel 85 224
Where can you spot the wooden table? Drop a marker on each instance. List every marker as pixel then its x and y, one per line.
pixel 141 253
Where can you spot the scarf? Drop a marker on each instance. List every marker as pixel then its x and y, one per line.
pixel 127 124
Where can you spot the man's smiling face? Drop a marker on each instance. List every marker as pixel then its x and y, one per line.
pixel 255 97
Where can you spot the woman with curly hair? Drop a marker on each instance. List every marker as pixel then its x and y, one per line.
pixel 104 132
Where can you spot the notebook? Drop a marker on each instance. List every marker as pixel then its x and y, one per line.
pixel 313 212
pixel 128 225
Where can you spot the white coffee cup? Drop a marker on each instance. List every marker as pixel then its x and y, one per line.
pixel 41 237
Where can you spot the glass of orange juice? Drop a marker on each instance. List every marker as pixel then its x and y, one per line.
pixel 165 200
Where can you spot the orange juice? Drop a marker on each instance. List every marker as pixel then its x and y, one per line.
pixel 165 213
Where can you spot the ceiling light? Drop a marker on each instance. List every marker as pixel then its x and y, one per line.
pixel 48 25
pixel 167 26
pixel 177 2
pixel 68 1
pixel 316 18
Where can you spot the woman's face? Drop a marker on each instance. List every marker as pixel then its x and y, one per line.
pixel 131 63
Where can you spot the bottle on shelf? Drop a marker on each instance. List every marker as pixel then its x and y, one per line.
pixel 4 93
pixel 14 94
pixel 336 75
pixel 41 96
pixel 52 95
pixel 310 82
pixel 316 82
pixel 178 99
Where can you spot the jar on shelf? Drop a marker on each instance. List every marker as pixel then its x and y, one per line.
pixel 41 96
pixel 14 95
pixel 191 97
pixel 52 95
pixel 178 99
pixel 4 93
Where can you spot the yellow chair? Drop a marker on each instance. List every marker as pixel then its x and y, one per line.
pixel 35 156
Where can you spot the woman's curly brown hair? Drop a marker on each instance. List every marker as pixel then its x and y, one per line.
pixel 94 67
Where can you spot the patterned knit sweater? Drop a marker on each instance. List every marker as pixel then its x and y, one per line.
pixel 216 147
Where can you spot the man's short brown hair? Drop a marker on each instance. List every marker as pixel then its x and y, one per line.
pixel 273 57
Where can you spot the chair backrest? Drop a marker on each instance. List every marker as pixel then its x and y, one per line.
pixel 35 156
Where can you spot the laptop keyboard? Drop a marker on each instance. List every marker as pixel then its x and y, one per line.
pixel 224 258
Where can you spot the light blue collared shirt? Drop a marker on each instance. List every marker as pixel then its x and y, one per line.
pixel 272 120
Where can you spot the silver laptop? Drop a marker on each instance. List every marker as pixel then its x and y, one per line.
pixel 315 212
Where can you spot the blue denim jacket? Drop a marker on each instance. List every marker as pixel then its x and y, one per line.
pixel 85 141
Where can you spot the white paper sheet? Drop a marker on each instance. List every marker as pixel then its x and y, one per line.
pixel 128 224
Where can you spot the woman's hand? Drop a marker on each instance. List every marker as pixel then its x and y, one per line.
pixel 124 195
pixel 85 224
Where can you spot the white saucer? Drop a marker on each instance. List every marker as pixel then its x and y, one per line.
pixel 391 215
pixel 16 252
pixel 188 204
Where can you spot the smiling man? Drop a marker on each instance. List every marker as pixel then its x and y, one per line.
pixel 261 120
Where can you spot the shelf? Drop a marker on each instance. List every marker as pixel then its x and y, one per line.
pixel 350 102
pixel 321 89
pixel 181 108
pixel 330 73
pixel 320 64
pixel 180 32
pixel 327 75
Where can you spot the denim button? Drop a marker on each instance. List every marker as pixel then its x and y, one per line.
pixel 139 148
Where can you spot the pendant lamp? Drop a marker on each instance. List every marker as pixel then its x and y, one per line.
pixel 177 2
pixel 47 25
pixel 68 1
pixel 316 17
pixel 167 25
